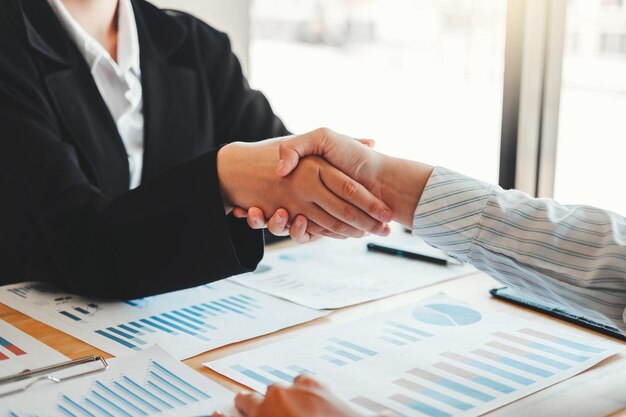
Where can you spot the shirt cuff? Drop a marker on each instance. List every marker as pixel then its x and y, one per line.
pixel 449 211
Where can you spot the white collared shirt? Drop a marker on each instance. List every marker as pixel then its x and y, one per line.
pixel 564 256
pixel 119 82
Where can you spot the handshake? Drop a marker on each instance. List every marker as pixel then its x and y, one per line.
pixel 319 184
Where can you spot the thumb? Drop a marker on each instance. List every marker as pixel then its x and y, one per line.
pixel 290 153
pixel 318 142
pixel 370 143
pixel 292 150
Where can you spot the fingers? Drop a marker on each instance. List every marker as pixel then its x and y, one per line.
pixel 329 221
pixel 217 414
pixel 240 213
pixel 291 150
pixel 304 380
pixel 298 229
pixel 304 231
pixel 277 225
pixel 370 143
pixel 318 142
pixel 247 403
pixel 359 207
pixel 256 218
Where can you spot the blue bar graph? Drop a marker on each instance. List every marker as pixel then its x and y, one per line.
pixel 158 391
pixel 401 335
pixel 542 347
pixel 478 379
pixel 126 335
pixel 251 374
pixel 410 329
pixel 198 320
pixel 344 354
pixel 489 368
pixel 333 360
pixel 435 395
pixel 563 342
pixel 450 384
pixel 117 339
pixel 353 346
pixel 529 355
pixel 300 370
pixel 513 363
pixel 419 406
pixel 70 315
pixel 374 406
pixel 393 341
pixel 278 373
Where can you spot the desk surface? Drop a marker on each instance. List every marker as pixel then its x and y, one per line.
pixel 605 383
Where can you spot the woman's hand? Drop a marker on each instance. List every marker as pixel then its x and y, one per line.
pixel 331 201
pixel 305 398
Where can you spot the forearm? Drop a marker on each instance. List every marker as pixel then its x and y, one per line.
pixel 563 255
pixel 401 185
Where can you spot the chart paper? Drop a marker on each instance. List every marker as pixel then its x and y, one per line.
pixel 436 358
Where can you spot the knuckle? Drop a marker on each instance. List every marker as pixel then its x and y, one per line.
pixel 374 226
pixel 372 206
pixel 326 232
pixel 349 212
pixel 338 227
pixel 323 131
pixel 273 390
pixel 349 188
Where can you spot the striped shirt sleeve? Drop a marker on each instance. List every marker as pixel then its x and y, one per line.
pixel 571 256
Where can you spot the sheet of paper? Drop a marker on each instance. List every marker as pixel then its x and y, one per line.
pixel 19 351
pixel 333 274
pixel 140 384
pixel 438 358
pixel 185 323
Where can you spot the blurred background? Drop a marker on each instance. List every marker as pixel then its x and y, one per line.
pixel 526 93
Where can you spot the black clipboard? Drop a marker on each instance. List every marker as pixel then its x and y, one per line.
pixel 507 294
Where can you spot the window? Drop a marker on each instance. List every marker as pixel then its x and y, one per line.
pixel 422 77
pixel 591 152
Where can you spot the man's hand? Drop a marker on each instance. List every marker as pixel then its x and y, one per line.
pixel 305 398
pixel 336 204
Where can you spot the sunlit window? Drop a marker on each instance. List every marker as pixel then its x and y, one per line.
pixel 591 150
pixel 422 77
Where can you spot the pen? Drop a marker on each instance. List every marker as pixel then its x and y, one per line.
pixel 404 254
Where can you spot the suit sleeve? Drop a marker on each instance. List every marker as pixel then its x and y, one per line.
pixel 55 226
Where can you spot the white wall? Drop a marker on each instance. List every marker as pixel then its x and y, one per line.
pixel 230 16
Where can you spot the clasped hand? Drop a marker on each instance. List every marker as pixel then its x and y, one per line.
pixel 315 195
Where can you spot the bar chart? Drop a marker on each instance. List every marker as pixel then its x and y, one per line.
pixel 186 322
pixel 197 320
pixel 327 275
pixel 19 351
pixel 425 371
pixel 146 383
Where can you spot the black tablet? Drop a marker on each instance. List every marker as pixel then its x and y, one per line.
pixel 515 297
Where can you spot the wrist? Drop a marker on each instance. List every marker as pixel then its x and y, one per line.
pixel 402 183
pixel 227 175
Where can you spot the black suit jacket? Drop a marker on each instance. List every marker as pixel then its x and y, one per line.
pixel 66 215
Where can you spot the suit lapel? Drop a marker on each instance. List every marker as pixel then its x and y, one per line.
pixel 170 92
pixel 82 109
pixel 170 95
pixel 77 99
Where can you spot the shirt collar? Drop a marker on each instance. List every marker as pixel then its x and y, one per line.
pixel 92 50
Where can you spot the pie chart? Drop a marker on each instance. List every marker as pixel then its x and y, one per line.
pixel 446 315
